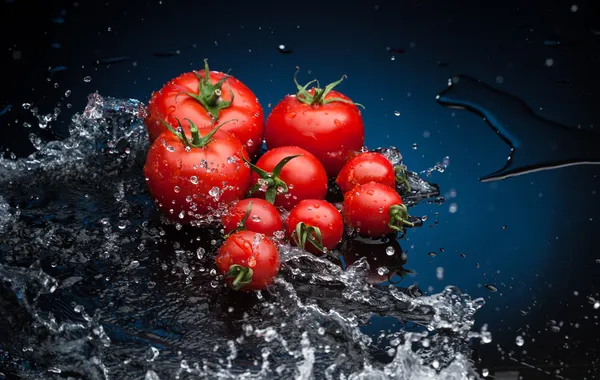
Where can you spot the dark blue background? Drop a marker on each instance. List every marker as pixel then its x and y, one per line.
pixel 548 249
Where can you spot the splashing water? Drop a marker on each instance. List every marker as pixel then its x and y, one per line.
pixel 96 285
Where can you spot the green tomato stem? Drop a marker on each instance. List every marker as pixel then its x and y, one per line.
pixel 318 97
pixel 271 180
pixel 399 218
pixel 242 276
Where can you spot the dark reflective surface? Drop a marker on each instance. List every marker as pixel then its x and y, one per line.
pixel 526 244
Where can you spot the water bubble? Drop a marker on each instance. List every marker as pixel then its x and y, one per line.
pixel 152 353
pixel 519 341
pixel 439 272
pixel 390 251
pixel 214 192
pixel 87 79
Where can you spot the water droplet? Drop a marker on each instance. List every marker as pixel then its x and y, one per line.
pixel 485 372
pixel 26 106
pixel 504 227
pixel 463 255
pixel 439 272
pixel 491 288
pixel 214 192
pixel 176 189
pixel 382 270
pixel 574 8
pixel 415 146
pixel 134 264
pixel 397 113
pixel 152 353
pixel 390 251
pixel 256 218
pixel 321 330
pixel 87 79
pixel 337 123
pixel 432 254
pixel 596 305
pixel 200 253
pixel 194 180
pixel 519 341
pixel 453 208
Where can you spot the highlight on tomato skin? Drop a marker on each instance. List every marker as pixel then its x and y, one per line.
pixel 301 177
pixel 364 168
pixel 375 210
pixel 315 225
pixel 248 260
pixel 252 214
pixel 206 102
pixel 188 183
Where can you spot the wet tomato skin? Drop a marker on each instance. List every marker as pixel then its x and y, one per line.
pixel 195 181
pixel 263 218
pixel 304 175
pixel 329 131
pixel 364 168
pixel 251 250
pixel 366 209
pixel 170 104
pixel 321 214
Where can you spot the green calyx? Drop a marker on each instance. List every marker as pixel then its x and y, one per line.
pixel 309 234
pixel 273 183
pixel 318 97
pixel 402 177
pixel 197 140
pixel 399 218
pixel 241 276
pixel 242 223
pixel 209 95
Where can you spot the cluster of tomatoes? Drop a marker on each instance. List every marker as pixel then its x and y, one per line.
pixel 206 130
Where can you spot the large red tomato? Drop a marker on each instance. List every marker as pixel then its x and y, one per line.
pixel 286 175
pixel 323 121
pixel 205 97
pixel 189 178
pixel 364 168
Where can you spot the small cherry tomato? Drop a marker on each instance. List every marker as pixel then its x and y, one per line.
pixel 364 168
pixel 315 225
pixel 375 210
pixel 248 260
pixel 252 214
pixel 284 176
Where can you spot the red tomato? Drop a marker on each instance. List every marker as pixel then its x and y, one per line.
pixel 315 225
pixel 252 214
pixel 249 260
pixel 189 179
pixel 322 121
pixel 364 168
pixel 303 176
pixel 375 210
pixel 217 95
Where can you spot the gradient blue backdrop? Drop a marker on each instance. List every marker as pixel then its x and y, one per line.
pixel 548 249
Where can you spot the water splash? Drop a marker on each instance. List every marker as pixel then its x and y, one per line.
pixel 96 285
pixel 536 143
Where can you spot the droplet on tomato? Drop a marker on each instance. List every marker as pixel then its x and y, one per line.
pixel 292 115
pixel 337 123
pixel 370 192
pixel 256 218
pixel 176 189
pixel 316 205
pixel 194 180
